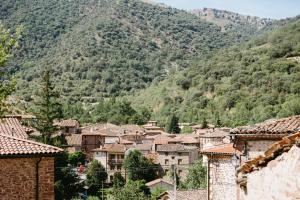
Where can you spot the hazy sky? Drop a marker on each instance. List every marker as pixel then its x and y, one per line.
pixel 276 9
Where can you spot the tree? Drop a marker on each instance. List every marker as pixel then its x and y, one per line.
pixel 197 176
pixel 77 157
pixel 7 43
pixel 95 177
pixel 118 180
pixel 138 167
pixel 133 190
pixel 67 183
pixel 48 107
pixel 172 125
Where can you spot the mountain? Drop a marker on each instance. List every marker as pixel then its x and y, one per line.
pixel 106 48
pixel 240 85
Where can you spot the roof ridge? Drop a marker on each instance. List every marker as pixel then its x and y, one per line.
pixel 31 142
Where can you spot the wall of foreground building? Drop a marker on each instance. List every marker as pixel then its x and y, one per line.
pixel 18 178
pixel 279 180
pixel 222 184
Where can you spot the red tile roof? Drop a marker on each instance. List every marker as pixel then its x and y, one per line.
pixel 274 151
pixel 13 127
pixel 68 123
pixel 274 126
pixel 15 146
pixel 113 148
pixel 174 148
pixel 226 149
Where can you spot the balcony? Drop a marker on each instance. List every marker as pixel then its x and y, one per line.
pixel 115 161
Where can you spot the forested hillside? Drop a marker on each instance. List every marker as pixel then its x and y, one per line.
pixel 104 48
pixel 244 84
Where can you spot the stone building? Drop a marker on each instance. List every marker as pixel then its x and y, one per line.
pixel 255 140
pixel 27 169
pixel 111 156
pixel 152 129
pixel 176 154
pixel 273 175
pixel 68 126
pixel 221 172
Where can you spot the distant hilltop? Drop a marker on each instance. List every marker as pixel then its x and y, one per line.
pixel 226 19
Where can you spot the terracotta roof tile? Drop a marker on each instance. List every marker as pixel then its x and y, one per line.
pixel 274 151
pixel 15 146
pixel 274 126
pixel 68 123
pixel 226 149
pixel 13 127
pixel 173 147
pixel 116 148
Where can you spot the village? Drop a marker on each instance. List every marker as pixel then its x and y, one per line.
pixel 236 159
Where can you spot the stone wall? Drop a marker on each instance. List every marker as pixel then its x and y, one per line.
pixel 279 180
pixel 222 184
pixel 18 178
pixel 258 147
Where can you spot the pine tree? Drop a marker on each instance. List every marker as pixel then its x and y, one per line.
pixel 172 126
pixel 48 107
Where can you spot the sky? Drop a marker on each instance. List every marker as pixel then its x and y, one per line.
pixel 275 9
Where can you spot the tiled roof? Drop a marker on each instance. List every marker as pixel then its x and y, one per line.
pixel 68 123
pixel 107 129
pixel 173 147
pixel 215 133
pixel 15 146
pixel 274 151
pixel 122 141
pixel 12 126
pixel 74 139
pixel 156 181
pixel 113 148
pixel 132 128
pixel 141 147
pixel 226 149
pixel 187 194
pixel 274 126
pixel 187 139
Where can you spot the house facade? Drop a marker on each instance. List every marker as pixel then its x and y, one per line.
pixel 27 169
pixel 111 156
pixel 178 155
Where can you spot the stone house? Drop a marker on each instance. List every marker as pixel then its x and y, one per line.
pixel 273 175
pixel 74 142
pixel 27 169
pixel 111 156
pixel 255 140
pixel 178 155
pixel 133 133
pixel 152 129
pixel 160 183
pixel 221 172
pixel 214 137
pixel 68 126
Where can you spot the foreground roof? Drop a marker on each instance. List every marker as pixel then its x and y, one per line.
pixel 12 126
pixel 10 146
pixel 282 126
pixel 274 151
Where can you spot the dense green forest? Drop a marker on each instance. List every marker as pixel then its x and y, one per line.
pixel 241 85
pixel 104 48
pixel 126 58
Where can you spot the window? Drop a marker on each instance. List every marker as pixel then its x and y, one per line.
pixel 179 154
pixel 173 157
pixel 166 161
pixel 166 154
pixel 166 171
pixel 111 178
pixel 119 167
pixel 179 161
pixel 179 172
